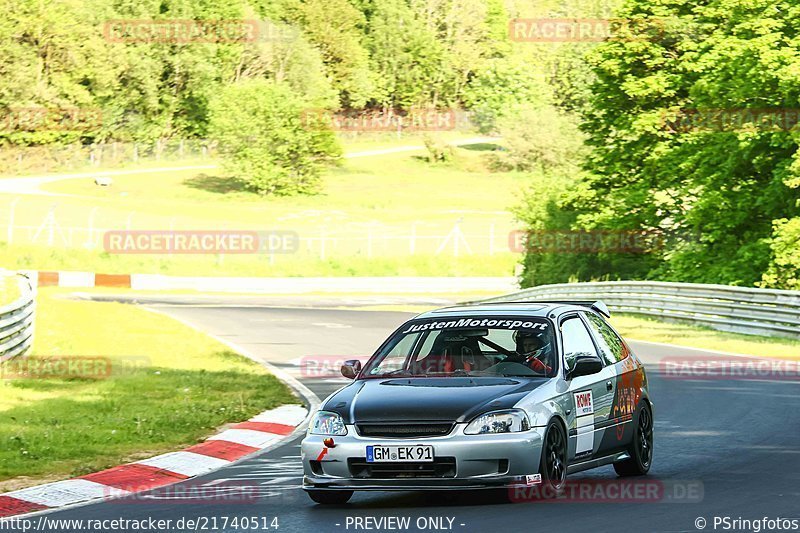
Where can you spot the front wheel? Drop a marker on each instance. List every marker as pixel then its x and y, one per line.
pixel 554 459
pixel 330 497
pixel 641 449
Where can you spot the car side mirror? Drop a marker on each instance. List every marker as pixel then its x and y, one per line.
pixel 351 368
pixel 585 365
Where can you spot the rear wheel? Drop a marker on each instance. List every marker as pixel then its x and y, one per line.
pixel 641 449
pixel 330 497
pixel 554 460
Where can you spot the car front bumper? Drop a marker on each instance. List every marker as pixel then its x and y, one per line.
pixel 478 461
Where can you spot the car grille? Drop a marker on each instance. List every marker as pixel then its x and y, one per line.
pixel 441 467
pixel 405 430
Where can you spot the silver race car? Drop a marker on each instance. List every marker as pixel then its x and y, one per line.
pixel 484 396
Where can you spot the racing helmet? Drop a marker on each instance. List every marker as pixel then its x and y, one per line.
pixel 521 337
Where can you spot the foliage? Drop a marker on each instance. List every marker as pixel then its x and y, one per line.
pixel 673 149
pixel 541 139
pixel 333 53
pixel 500 88
pixel 438 151
pixel 784 269
pixel 270 141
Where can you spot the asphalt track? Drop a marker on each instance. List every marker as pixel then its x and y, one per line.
pixel 723 448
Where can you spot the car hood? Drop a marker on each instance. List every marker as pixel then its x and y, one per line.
pixel 452 399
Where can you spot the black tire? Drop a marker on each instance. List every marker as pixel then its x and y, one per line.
pixel 641 447
pixel 330 497
pixel 553 466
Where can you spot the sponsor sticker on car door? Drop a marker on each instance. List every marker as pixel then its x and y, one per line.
pixel 584 411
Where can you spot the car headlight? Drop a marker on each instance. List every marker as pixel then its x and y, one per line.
pixel 327 423
pixel 511 421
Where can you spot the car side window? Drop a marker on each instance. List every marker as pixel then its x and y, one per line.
pixel 610 343
pixel 577 340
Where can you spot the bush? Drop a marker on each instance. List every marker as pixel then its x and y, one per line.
pixel 269 140
pixel 438 151
pixel 499 88
pixel 539 139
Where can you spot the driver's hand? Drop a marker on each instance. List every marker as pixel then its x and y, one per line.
pixel 538 366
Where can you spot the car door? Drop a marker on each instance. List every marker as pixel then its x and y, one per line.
pixel 627 382
pixel 590 396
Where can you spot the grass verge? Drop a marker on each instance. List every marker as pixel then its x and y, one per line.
pixel 646 329
pixel 33 257
pixel 389 215
pixel 168 387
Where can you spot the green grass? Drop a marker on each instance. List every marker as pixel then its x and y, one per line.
pixel 368 211
pixel 387 189
pixel 35 163
pixel 645 329
pixel 169 387
pixel 296 265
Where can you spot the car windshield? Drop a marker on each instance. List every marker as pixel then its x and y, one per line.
pixel 468 346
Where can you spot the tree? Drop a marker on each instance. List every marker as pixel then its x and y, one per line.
pixel 502 88
pixel 269 139
pixel 677 145
pixel 52 58
pixel 784 267
pixel 406 57
pixel 337 29
pixel 540 139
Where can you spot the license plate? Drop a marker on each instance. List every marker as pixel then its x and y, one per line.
pixel 399 454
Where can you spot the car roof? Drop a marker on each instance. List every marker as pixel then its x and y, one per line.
pixel 539 308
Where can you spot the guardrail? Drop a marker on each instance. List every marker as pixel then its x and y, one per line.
pixel 17 319
pixel 723 307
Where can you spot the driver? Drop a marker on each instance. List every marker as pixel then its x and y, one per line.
pixel 534 350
